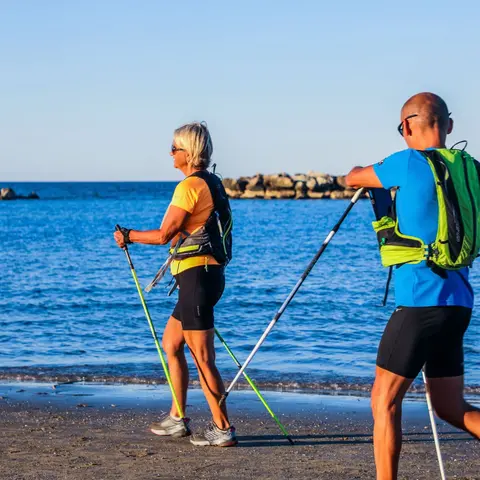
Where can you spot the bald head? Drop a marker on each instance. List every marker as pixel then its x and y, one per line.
pixel 432 111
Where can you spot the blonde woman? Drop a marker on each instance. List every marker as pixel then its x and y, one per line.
pixel 199 217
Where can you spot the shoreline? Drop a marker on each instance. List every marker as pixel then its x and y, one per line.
pixel 101 432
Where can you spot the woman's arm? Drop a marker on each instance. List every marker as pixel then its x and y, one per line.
pixel 171 226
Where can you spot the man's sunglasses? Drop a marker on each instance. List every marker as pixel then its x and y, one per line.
pixel 401 126
pixel 176 149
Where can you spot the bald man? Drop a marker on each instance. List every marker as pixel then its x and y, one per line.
pixel 433 308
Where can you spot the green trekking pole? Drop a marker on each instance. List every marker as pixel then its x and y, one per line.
pixel 154 334
pixel 255 389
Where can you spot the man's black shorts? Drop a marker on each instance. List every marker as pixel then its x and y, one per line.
pixel 200 289
pixel 433 336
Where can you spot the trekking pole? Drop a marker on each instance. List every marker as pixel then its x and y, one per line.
pixel 305 274
pixel 255 389
pixel 154 334
pixel 434 426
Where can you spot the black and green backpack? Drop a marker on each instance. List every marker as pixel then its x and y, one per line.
pixel 457 242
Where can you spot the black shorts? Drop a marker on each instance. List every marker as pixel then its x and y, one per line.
pixel 433 336
pixel 199 290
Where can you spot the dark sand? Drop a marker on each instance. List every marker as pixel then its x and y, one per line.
pixel 101 432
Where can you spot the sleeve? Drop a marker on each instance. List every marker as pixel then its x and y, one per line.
pixel 393 170
pixel 185 196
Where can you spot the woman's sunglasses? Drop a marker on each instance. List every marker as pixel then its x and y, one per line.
pixel 176 149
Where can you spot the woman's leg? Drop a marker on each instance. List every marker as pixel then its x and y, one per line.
pixel 173 343
pixel 201 345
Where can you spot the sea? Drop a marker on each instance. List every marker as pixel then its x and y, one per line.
pixel 70 312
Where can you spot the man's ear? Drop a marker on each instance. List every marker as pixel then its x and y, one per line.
pixel 450 126
pixel 407 131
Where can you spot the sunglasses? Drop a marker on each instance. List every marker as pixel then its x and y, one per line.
pixel 176 149
pixel 401 126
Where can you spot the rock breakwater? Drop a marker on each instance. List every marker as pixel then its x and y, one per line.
pixel 313 185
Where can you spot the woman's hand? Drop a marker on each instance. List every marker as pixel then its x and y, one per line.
pixel 118 236
pixel 122 236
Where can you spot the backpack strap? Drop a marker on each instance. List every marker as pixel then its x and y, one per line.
pixel 206 176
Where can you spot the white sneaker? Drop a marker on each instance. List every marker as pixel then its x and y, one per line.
pixel 215 437
pixel 171 427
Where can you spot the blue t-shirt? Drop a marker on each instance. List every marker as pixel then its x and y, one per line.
pixel 416 285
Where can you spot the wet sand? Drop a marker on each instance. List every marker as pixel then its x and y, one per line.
pixel 101 432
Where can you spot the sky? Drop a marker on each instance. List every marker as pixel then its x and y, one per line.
pixel 92 90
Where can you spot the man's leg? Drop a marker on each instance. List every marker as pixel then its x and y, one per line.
pixel 173 343
pixel 449 404
pixel 387 396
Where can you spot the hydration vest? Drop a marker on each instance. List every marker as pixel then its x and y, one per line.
pixel 215 237
pixel 457 242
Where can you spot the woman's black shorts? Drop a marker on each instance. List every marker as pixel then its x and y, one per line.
pixel 200 289
pixel 433 336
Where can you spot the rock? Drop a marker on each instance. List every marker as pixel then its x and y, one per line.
pixel 7 194
pixel 255 184
pixel 300 195
pixel 233 193
pixel 324 179
pixel 337 194
pixel 33 196
pixel 253 194
pixel 231 184
pixel 281 193
pixel 235 185
pixel 340 181
pixel 311 194
pixel 300 186
pixel 312 183
pixel 278 181
pixel 300 177
pixel 321 184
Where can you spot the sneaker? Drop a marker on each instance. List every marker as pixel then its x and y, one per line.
pixel 171 427
pixel 215 437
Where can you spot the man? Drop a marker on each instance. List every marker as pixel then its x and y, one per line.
pixel 433 305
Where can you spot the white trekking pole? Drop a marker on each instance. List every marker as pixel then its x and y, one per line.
pixel 305 274
pixel 434 426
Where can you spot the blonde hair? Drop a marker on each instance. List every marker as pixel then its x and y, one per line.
pixel 195 139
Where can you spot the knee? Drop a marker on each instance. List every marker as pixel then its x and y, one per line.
pixel 453 415
pixel 384 406
pixel 171 348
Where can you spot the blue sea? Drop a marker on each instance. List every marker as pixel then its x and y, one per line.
pixel 69 310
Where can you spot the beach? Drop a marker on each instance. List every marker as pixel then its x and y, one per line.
pixel 81 328
pixel 101 432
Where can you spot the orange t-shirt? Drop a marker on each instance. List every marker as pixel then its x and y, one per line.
pixel 193 196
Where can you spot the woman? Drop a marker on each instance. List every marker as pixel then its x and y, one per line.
pixel 199 273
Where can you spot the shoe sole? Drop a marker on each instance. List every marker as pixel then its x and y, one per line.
pixel 230 443
pixel 181 434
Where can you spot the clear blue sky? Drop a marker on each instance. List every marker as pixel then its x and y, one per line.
pixel 92 90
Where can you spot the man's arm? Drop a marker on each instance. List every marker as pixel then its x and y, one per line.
pixel 363 177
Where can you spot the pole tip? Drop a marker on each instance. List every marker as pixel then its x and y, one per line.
pixel 290 441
